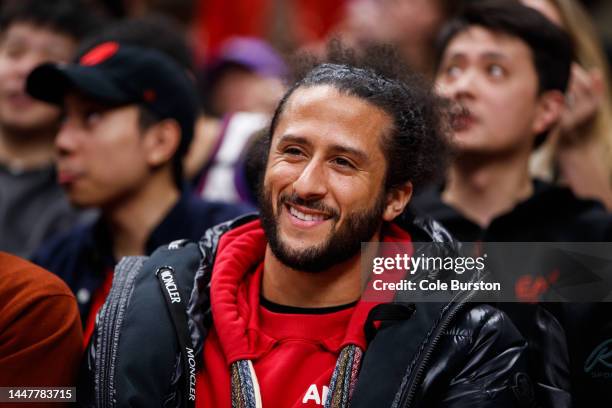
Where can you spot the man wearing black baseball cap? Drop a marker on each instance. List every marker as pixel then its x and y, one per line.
pixel 129 117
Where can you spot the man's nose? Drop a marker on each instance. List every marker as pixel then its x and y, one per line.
pixel 465 85
pixel 462 86
pixel 66 139
pixel 311 183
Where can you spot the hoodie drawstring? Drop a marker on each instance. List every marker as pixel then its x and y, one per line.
pixel 246 393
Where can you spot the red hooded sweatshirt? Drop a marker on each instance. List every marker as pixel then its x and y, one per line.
pixel 293 354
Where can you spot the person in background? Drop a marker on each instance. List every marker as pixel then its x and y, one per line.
pixel 506 94
pixel 247 76
pixel 217 171
pixel 242 86
pixel 504 67
pixel 578 152
pixel 410 25
pixel 129 117
pixel 40 328
pixel 33 206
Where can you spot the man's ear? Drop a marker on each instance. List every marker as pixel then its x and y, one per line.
pixel 161 141
pixel 396 200
pixel 550 106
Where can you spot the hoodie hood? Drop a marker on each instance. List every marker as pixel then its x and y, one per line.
pixel 235 294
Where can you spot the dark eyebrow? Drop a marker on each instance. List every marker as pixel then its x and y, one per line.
pixel 452 57
pixel 294 139
pixel 359 155
pixel 494 55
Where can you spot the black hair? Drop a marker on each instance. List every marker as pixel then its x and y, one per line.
pixel 160 33
pixel 183 11
pixel 71 17
pixel 154 31
pixel 146 117
pixel 254 155
pixel 451 8
pixel 416 148
pixel 550 46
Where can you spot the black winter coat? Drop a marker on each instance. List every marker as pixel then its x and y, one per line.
pixel 561 351
pixel 457 354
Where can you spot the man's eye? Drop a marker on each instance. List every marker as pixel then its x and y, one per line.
pixel 92 117
pixel 341 161
pixel 293 151
pixel 496 71
pixel 452 71
pixel 14 51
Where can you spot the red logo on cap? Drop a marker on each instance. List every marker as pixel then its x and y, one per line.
pixel 149 95
pixel 99 54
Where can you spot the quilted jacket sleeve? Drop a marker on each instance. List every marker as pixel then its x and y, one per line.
pixel 486 364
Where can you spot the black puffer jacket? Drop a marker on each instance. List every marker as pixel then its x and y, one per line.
pixel 457 354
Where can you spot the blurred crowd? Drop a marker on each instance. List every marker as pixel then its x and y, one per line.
pixel 166 135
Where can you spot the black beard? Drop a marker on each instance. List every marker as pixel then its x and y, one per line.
pixel 340 245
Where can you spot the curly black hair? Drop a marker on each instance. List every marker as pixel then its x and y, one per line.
pixel 417 149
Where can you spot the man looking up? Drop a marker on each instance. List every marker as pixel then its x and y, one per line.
pixel 275 316
pixel 129 115
pixel 32 205
pixel 506 67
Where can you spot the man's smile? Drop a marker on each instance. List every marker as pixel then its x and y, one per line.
pixel 305 217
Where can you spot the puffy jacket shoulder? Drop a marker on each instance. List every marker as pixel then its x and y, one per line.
pixel 454 355
pixel 135 332
pixel 481 363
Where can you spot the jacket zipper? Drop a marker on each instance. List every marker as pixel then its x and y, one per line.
pixel 111 320
pixel 409 391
